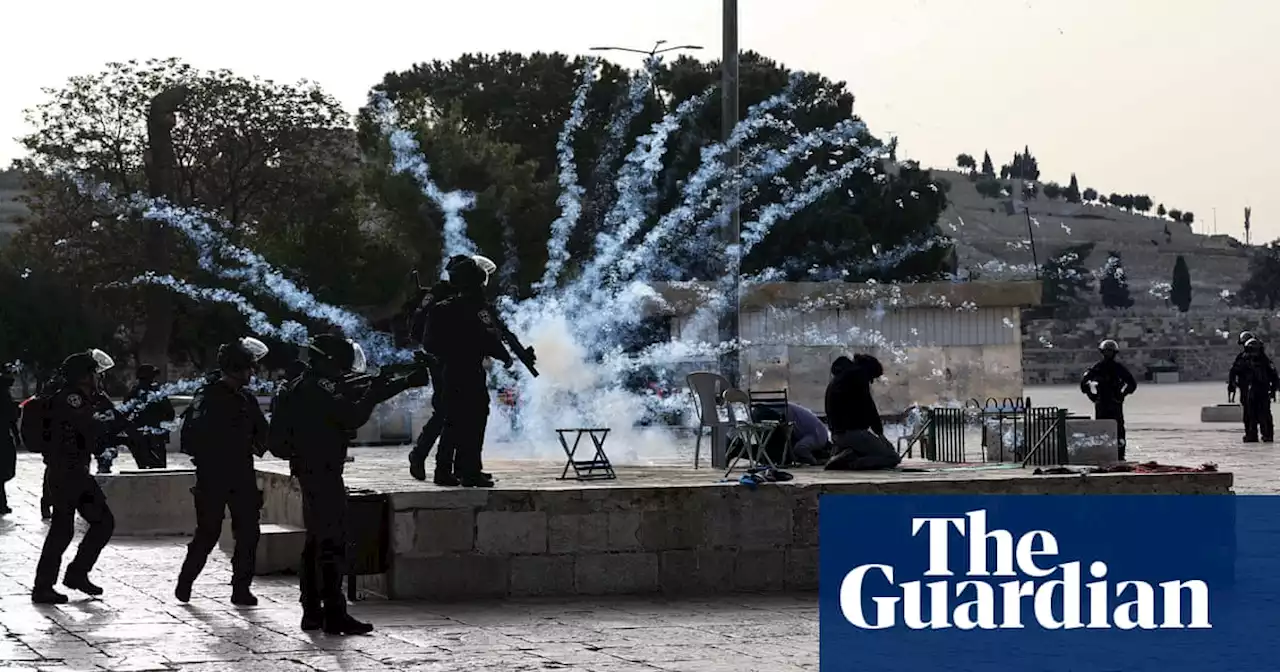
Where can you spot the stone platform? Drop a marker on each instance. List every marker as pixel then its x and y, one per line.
pixel 656 529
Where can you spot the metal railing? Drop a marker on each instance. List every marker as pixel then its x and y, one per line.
pixel 1011 431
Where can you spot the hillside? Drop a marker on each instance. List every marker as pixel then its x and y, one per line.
pixel 993 241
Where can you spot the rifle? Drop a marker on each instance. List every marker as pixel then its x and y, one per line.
pixel 422 362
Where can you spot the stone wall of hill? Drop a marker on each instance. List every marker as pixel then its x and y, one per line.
pixel 1201 345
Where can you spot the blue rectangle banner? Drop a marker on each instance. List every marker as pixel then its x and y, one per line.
pixel 1041 583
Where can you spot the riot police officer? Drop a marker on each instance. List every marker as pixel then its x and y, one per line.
pixel 152 409
pixel 10 438
pixel 1255 377
pixel 435 424
pixel 80 417
pixel 319 414
pixel 223 431
pixel 1107 383
pixel 462 334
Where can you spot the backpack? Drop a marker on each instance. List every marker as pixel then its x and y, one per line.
pixel 36 425
pixel 280 433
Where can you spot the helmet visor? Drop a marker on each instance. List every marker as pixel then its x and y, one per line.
pixel 486 264
pixel 256 349
pixel 359 364
pixel 102 361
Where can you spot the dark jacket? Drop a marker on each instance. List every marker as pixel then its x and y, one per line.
pixel 462 330
pixel 1113 379
pixel 330 411
pixel 9 436
pixel 224 430
pixel 1252 370
pixel 80 424
pixel 849 404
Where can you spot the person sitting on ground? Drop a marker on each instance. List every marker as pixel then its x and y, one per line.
pixel 810 438
pixel 857 433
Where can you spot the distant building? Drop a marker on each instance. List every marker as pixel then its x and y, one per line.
pixel 939 342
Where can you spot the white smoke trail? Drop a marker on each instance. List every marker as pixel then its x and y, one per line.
pixel 570 200
pixel 288 331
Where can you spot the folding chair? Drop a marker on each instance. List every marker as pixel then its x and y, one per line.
pixel 752 436
pixel 770 404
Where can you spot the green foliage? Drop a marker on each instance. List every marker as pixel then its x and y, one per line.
pixel 1023 167
pixel 1072 192
pixel 966 162
pixel 1262 288
pixel 45 319
pixel 1142 203
pixel 1052 191
pixel 1188 218
pixel 989 187
pixel 1065 278
pixel 987 168
pixel 1090 194
pixel 1176 215
pixel 1113 285
pixel 1180 292
pixel 1161 211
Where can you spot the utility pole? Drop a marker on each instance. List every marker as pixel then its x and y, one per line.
pixel 657 49
pixel 1247 212
pixel 731 233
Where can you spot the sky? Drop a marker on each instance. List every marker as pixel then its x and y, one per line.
pixel 1164 97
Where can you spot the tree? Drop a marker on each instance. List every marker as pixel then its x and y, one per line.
pixel 1142 203
pixel 966 162
pixel 1090 194
pixel 1161 211
pixel 266 157
pixel 988 168
pixel 1103 200
pixel 1180 292
pixel 1064 276
pixel 1113 285
pixel 1262 288
pixel 1023 167
pixel 989 187
pixel 1072 192
pixel 1052 190
pixel 1176 215
pixel 1188 218
pixel 45 319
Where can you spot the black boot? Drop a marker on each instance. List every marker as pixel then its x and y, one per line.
pixel 183 590
pixel 344 624
pixel 48 596
pixel 242 597
pixel 417 467
pixel 312 618
pixel 446 480
pixel 81 583
pixel 477 481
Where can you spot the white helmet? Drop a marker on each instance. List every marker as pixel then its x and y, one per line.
pixel 359 363
pixel 255 348
pixel 102 360
pixel 486 264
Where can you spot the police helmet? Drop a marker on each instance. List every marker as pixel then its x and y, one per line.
pixel 147 372
pixel 465 271
pixel 84 363
pixel 1108 345
pixel 334 349
pixel 1253 345
pixel 1245 336
pixel 486 264
pixel 359 364
pixel 241 354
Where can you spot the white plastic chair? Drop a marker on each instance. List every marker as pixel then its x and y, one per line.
pixel 708 391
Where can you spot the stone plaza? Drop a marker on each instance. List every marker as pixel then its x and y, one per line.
pixel 138 625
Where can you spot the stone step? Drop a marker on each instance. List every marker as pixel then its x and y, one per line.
pixel 279 547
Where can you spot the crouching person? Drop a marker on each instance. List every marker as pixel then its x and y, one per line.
pixel 223 431
pixel 857 433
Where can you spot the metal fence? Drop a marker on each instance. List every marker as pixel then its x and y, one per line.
pixel 1007 431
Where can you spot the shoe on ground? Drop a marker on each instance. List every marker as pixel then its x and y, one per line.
pixel 1250 439
pixel 183 591
pixel 446 481
pixel 48 596
pixel 242 597
pixel 417 468
pixel 346 625
pixel 4 510
pixel 312 621
pixel 476 482
pixel 82 584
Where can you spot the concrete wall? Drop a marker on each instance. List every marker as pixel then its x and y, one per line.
pixel 931 355
pixel 1202 345
pixel 465 544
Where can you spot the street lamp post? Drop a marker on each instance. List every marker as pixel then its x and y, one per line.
pixel 657 49
pixel 731 234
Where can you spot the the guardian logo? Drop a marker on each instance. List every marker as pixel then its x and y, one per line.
pixel 1055 602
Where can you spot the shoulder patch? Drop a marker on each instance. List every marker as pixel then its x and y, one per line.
pixel 74 400
pixel 326 385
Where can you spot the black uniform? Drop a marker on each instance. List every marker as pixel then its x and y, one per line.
pixel 1255 376
pixel 434 427
pixel 329 413
pixel 463 335
pixel 149 443
pixel 1114 383
pixel 80 420
pixel 9 440
pixel 223 432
